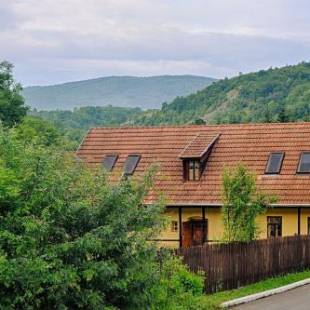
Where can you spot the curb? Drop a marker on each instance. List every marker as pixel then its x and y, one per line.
pixel 249 298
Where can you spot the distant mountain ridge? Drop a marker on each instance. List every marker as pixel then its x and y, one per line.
pixel 119 91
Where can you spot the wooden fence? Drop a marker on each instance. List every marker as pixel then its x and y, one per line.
pixel 231 265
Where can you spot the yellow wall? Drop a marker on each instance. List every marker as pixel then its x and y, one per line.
pixel 215 226
pixel 305 213
pixel 289 221
pixel 213 215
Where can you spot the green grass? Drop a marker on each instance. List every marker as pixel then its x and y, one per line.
pixel 214 300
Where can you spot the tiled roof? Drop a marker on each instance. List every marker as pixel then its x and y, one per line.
pixel 250 144
pixel 199 146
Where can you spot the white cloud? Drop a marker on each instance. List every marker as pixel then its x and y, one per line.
pixel 55 40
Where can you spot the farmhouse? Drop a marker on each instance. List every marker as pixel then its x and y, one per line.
pixel 191 160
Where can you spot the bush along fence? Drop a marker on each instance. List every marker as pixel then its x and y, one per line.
pixel 231 265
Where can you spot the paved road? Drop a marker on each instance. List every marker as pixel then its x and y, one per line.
pixel 297 299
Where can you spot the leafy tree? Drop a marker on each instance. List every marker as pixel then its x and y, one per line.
pixel 283 114
pixel 179 289
pixel 71 240
pixel 199 121
pixel 40 132
pixel 37 131
pixel 298 103
pixel 74 124
pixel 242 203
pixel 12 108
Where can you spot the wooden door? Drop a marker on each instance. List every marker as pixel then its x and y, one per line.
pixel 186 234
pixel 192 233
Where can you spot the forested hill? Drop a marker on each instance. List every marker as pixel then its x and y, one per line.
pixel 126 91
pixel 280 94
pixel 75 123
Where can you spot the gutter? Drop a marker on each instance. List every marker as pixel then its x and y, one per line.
pixel 218 205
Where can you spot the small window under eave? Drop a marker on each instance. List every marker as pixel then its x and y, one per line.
pixel 109 161
pixel 274 163
pixel 304 163
pixel 192 170
pixel 131 164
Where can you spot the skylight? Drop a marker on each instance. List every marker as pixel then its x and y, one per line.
pixel 274 163
pixel 131 164
pixel 109 161
pixel 304 163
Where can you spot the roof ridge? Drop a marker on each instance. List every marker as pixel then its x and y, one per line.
pixel 203 126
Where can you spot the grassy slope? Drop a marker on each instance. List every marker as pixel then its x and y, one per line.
pixel 214 300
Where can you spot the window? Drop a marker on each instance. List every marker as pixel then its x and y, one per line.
pixel 304 163
pixel 274 226
pixel 131 164
pixel 192 170
pixel 274 163
pixel 174 226
pixel 109 161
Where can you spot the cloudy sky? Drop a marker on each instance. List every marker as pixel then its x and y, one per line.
pixel 52 41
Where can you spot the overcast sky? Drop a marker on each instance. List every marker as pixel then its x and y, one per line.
pixel 52 41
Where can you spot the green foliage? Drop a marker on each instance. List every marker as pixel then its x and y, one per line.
pixel 37 131
pixel 71 240
pixel 242 203
pixel 178 288
pixel 74 124
pixel 273 95
pixel 215 300
pixel 86 117
pixel 12 108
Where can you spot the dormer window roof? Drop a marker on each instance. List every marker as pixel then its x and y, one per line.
pixel 199 147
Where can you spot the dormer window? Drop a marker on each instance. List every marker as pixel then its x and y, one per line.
pixel 193 169
pixel 196 154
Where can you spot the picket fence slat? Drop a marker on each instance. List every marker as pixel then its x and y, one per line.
pixel 231 265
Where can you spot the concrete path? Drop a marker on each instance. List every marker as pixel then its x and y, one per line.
pixel 297 299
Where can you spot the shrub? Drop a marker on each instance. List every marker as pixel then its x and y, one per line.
pixel 242 203
pixel 178 288
pixel 71 240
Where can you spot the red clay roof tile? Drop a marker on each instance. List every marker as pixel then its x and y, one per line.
pixel 199 146
pixel 250 144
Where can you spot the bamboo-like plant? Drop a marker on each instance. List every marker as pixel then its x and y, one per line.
pixel 242 203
